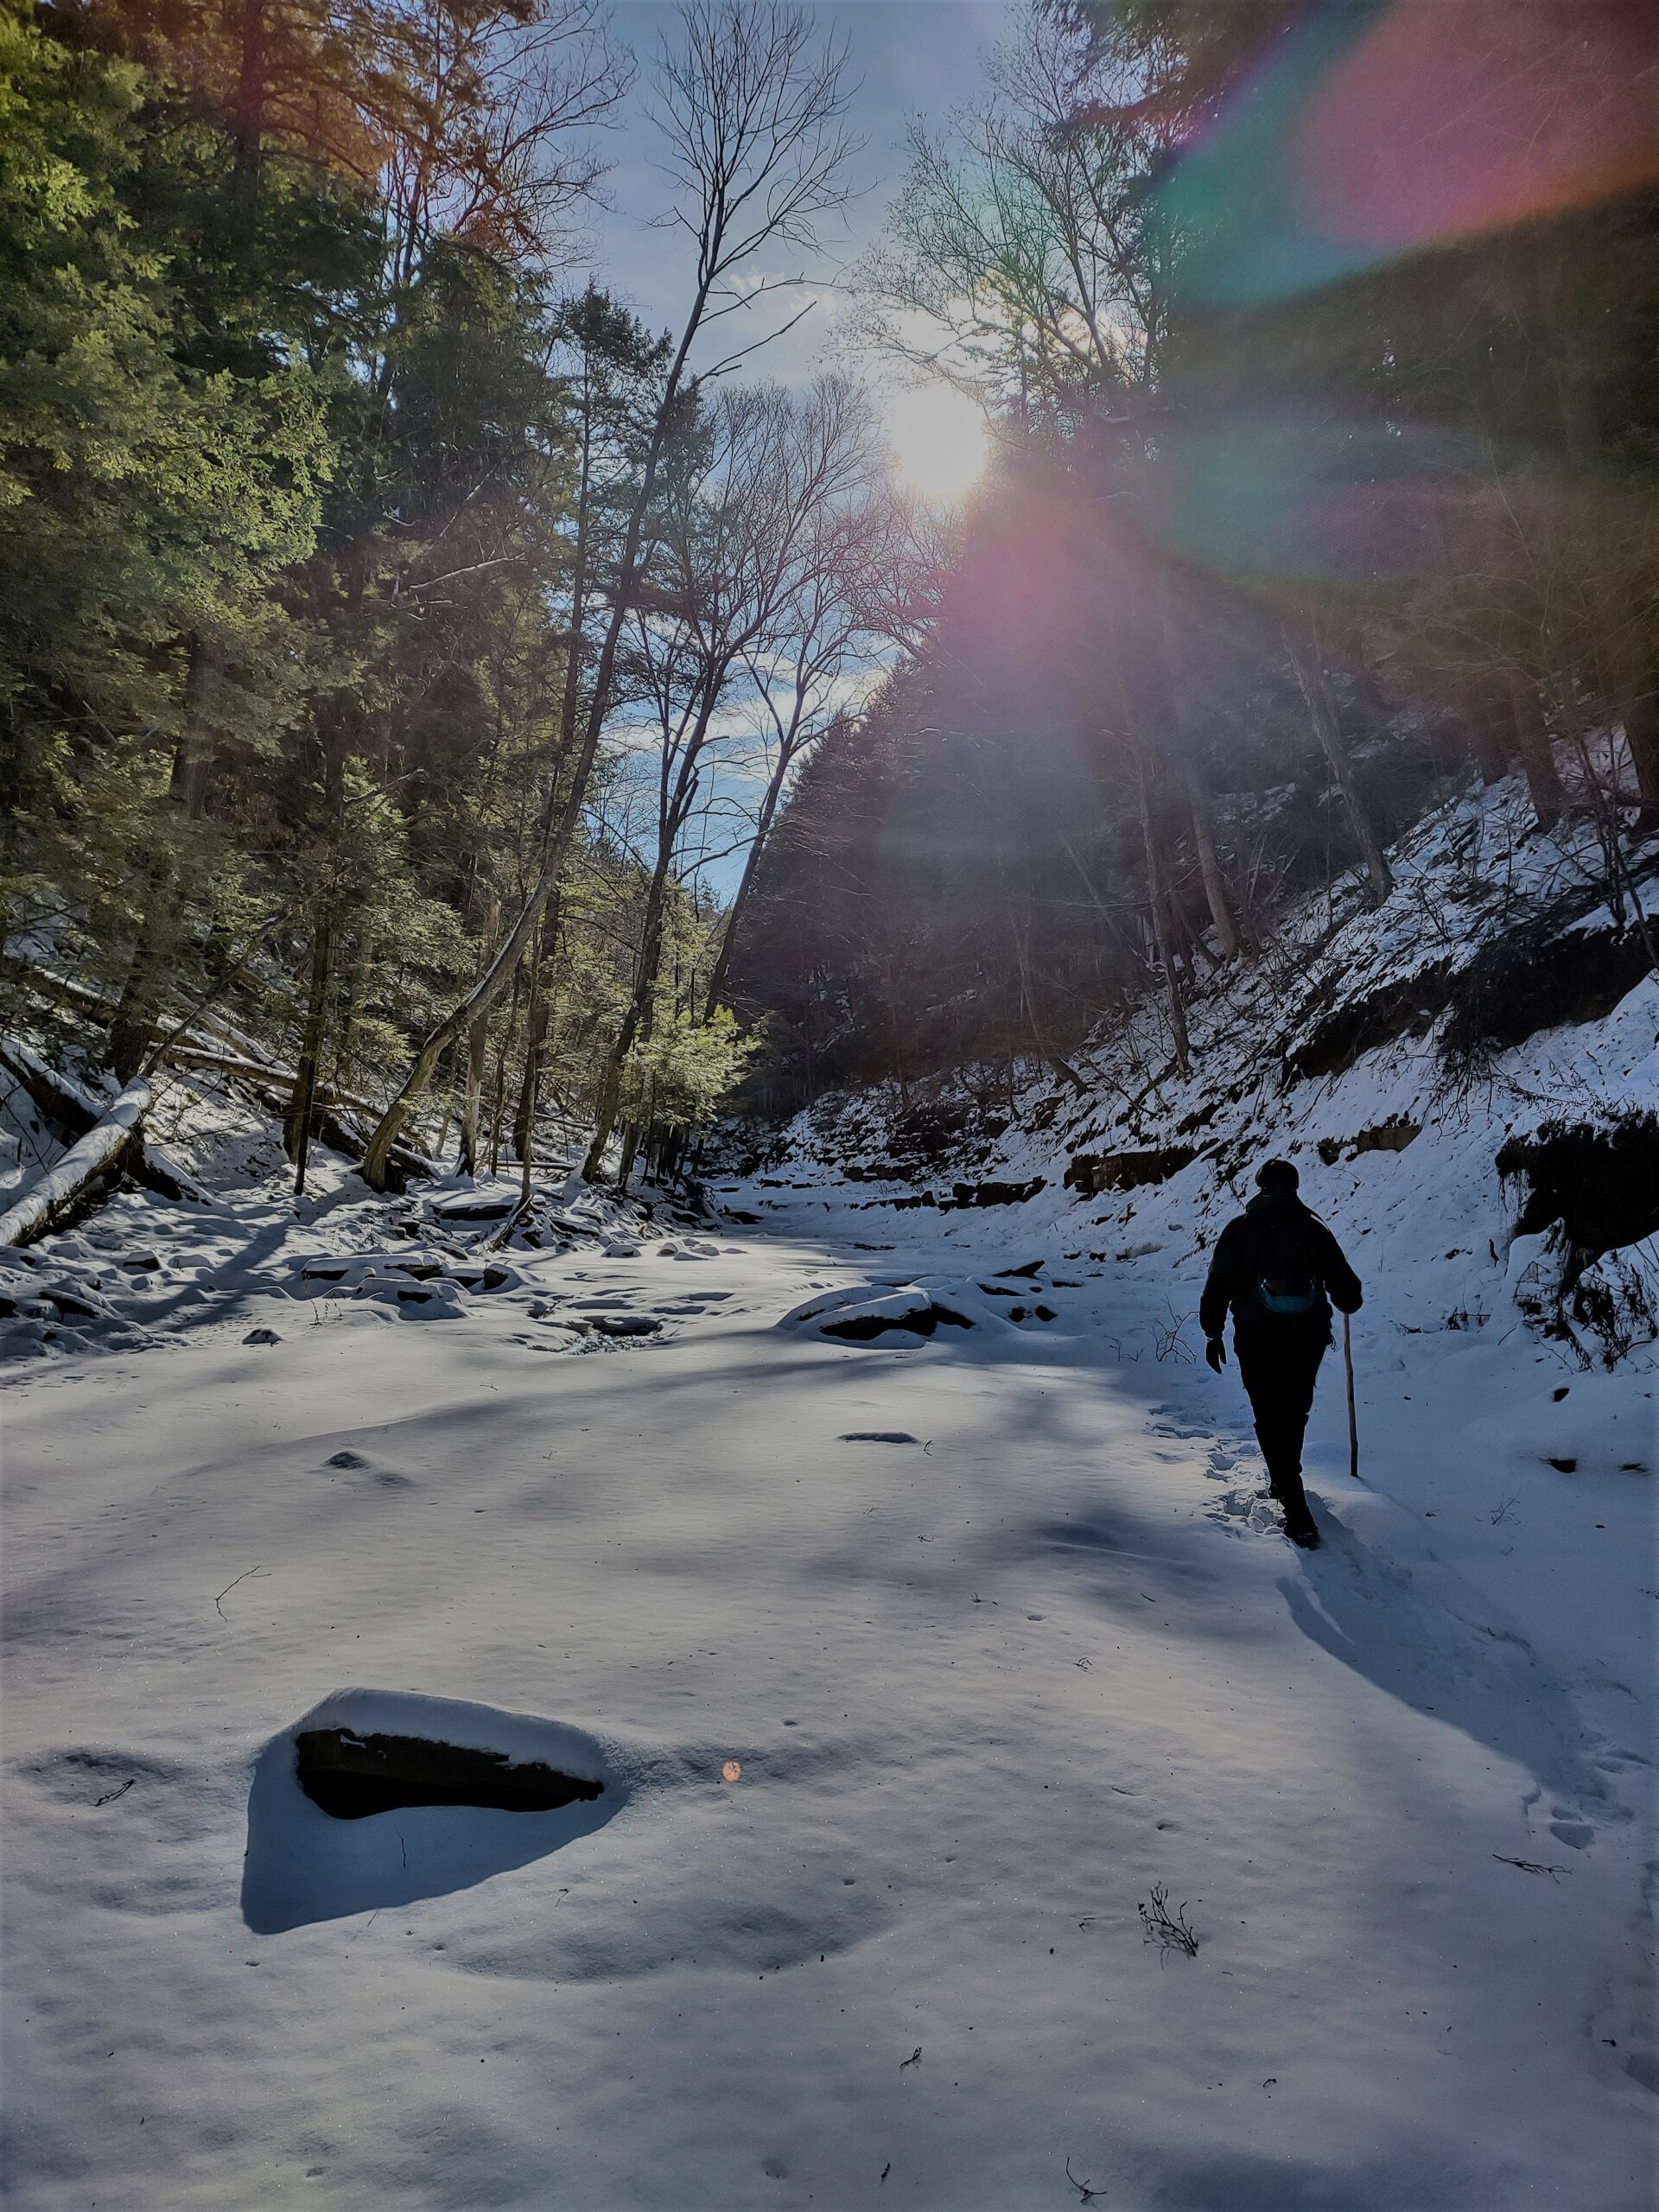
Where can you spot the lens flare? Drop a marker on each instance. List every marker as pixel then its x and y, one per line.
pixel 1377 128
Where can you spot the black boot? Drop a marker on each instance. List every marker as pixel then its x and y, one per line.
pixel 1299 1525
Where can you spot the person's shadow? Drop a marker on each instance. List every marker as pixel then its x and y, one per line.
pixel 1485 1681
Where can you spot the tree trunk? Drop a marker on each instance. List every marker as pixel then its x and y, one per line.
pixel 630 1152
pixel 1204 840
pixel 297 1134
pixel 1641 741
pixel 489 985
pixel 1537 761
pixel 498 1111
pixel 1197 786
pixel 635 1019
pixel 478 1035
pixel 54 1197
pixel 535 1024
pixel 1322 713
pixel 1483 726
pixel 247 119
pixel 744 885
pixel 1157 901
pixel 144 993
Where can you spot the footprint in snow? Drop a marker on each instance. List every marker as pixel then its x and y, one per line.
pixel 349 1460
pixel 1575 1835
pixel 1243 1508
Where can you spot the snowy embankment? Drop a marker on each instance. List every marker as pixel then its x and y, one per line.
pixel 911 1665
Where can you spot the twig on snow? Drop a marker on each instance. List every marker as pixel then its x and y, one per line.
pixel 110 1795
pixel 229 1586
pixel 915 2059
pixel 1086 2191
pixel 1170 1933
pixel 1529 1865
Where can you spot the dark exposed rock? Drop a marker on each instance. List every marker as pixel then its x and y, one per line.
pixel 997 1194
pixel 1091 1172
pixel 1392 1136
pixel 1600 1182
pixel 352 1777
pixel 863 1328
pixel 1406 1008
pixel 1539 978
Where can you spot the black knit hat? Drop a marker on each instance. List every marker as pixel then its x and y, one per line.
pixel 1276 1175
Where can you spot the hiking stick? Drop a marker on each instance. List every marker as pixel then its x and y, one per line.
pixel 1353 1423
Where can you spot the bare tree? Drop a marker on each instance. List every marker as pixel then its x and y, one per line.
pixel 494 104
pixel 802 686
pixel 747 538
pixel 752 115
pixel 1302 645
pixel 1022 262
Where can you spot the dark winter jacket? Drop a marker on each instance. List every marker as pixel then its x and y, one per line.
pixel 1276 1247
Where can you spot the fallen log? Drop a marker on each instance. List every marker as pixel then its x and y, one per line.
pixel 273 1085
pixel 76 1111
pixel 104 1151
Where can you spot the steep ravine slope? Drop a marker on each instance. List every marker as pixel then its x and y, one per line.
pixel 1468 1080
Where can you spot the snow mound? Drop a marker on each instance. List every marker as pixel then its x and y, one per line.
pixel 304 1865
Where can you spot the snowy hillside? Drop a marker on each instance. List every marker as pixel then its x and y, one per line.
pixel 976 1802
pixel 1469 1078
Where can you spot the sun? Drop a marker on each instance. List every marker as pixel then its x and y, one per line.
pixel 938 439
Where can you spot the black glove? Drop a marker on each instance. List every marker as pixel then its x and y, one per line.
pixel 1215 1353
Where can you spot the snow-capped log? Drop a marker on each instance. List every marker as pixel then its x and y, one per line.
pixel 107 1146
pixel 76 1111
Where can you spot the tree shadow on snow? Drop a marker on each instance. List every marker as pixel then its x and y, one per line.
pixel 303 1865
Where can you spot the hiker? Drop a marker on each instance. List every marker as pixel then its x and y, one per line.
pixel 1278 1267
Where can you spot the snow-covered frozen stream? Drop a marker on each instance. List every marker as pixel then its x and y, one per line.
pixel 991 1627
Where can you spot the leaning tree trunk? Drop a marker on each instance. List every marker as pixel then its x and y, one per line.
pixel 1228 937
pixel 52 1198
pixel 1322 712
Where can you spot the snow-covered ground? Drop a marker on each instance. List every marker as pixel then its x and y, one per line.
pixel 915 1666
pixel 998 1640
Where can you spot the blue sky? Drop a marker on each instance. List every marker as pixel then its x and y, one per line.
pixel 914 58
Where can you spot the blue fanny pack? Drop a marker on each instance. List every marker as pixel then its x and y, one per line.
pixel 1279 1297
